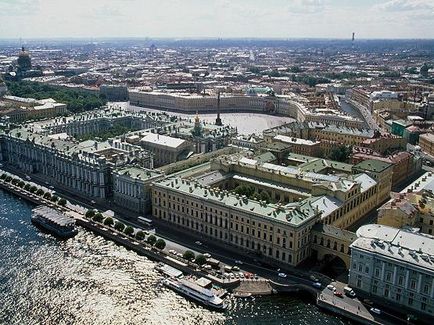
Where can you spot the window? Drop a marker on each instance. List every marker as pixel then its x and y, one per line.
pixel 410 301
pixel 377 272
pixel 400 280
pixel 388 276
pixel 413 284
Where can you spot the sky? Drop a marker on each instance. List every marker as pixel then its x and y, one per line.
pixel 217 18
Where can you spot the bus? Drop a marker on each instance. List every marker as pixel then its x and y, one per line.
pixel 147 222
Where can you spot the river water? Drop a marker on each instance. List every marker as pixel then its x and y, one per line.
pixel 89 280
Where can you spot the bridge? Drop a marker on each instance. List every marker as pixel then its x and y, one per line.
pixel 329 242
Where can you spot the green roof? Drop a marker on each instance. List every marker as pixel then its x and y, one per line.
pixel 291 215
pixel 372 165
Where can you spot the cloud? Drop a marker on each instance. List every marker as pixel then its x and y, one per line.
pixel 18 7
pixel 216 18
pixel 406 5
pixel 306 6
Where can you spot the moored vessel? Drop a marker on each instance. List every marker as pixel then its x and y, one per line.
pixel 195 292
pixel 54 221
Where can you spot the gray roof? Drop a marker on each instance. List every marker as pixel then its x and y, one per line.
pixel 402 245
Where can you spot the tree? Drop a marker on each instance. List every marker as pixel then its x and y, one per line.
pixel 54 198
pixel 62 202
pixel 90 213
pixel 3 176
pixel 47 195
pixel 340 153
pixel 264 196
pixel 109 221
pixel 160 244
pixel 21 184
pixel 188 255
pixel 140 235
pixel 33 189
pixel 40 192
pixel 152 240
pixel 129 230
pixel 246 190
pixel 8 178
pixel 27 187
pixel 119 226
pixel 98 217
pixel 200 259
pixel 424 70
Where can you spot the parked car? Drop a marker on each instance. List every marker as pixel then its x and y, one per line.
pixel 235 268
pixel 331 287
pixel 375 311
pixel 338 293
pixel 316 285
pixel 206 255
pixel 282 275
pixel 349 292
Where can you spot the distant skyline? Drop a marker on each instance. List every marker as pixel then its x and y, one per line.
pixel 217 18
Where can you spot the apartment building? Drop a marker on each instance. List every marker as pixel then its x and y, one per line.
pixel 394 267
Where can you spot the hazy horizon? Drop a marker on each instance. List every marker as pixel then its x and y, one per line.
pixel 214 19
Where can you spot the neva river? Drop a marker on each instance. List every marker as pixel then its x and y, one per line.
pixel 89 280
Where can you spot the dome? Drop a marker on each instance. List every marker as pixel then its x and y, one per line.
pixel 24 61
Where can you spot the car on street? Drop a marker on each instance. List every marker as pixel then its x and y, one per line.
pixel 314 278
pixel 375 310
pixel 198 243
pixel 207 255
pixel 331 287
pixel 28 177
pixel 338 293
pixel 238 262
pixel 349 292
pixel 282 275
pixel 316 285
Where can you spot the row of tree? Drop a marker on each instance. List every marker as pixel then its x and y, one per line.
pixel 33 189
pixel 127 230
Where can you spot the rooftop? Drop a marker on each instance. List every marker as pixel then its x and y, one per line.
pixel 402 245
pixel 162 140
pixel 291 215
pixel 372 165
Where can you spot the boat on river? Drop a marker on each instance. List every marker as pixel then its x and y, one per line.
pixel 195 292
pixel 54 221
